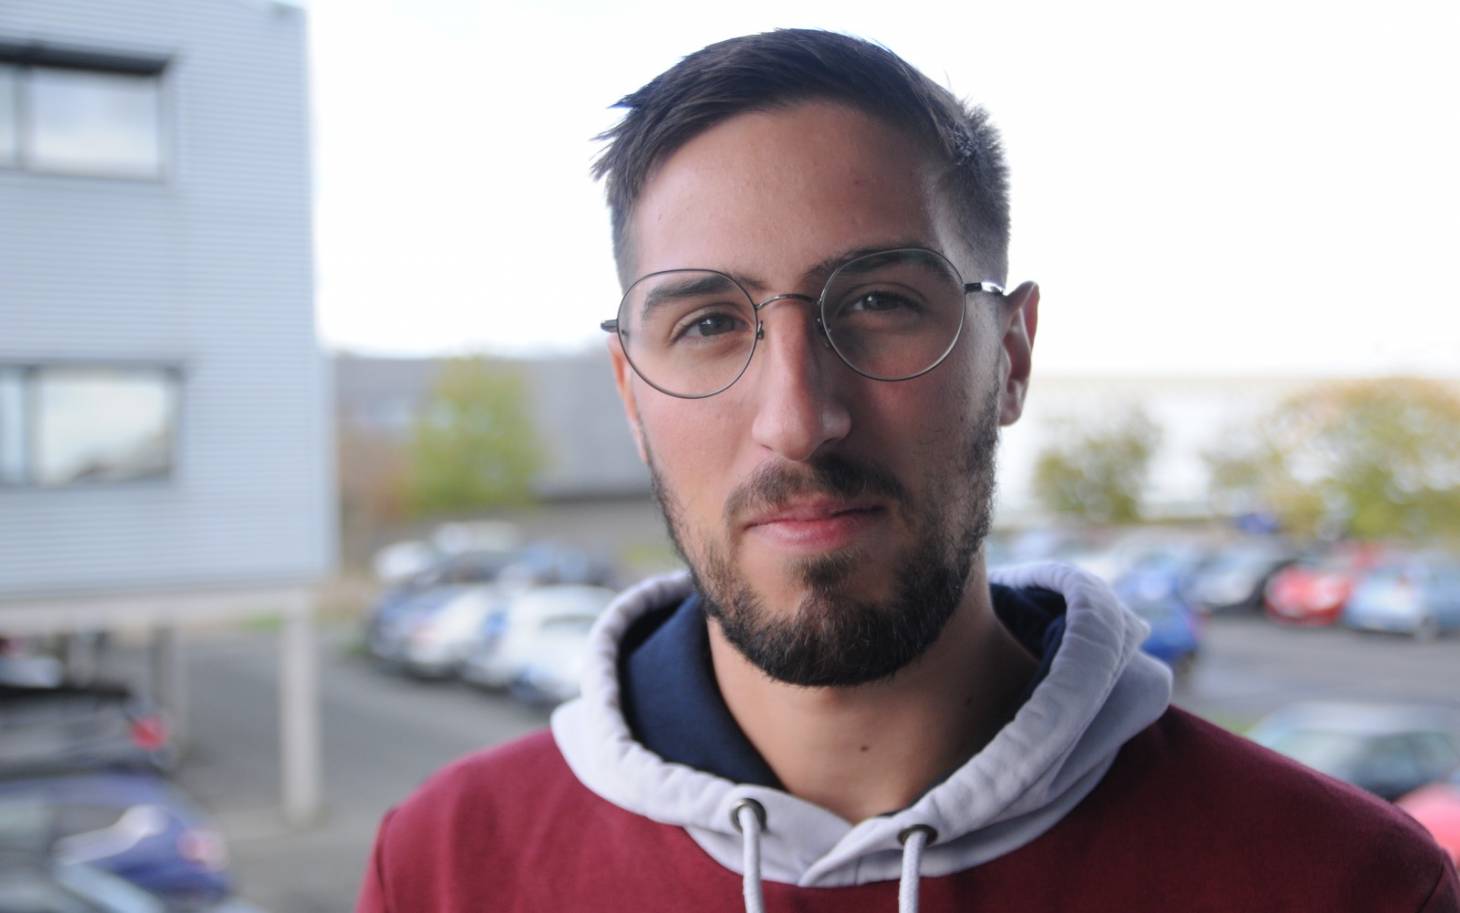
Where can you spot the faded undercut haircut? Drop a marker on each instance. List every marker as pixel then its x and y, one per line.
pixel 782 68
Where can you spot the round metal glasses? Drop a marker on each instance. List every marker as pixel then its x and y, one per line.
pixel 891 315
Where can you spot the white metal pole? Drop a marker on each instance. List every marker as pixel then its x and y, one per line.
pixel 169 681
pixel 299 739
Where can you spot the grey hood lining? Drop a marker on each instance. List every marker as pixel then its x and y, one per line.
pixel 1100 691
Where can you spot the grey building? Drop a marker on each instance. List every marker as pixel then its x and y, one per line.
pixel 591 456
pixel 165 450
pixel 588 451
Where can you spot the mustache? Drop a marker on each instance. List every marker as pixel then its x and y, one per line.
pixel 773 486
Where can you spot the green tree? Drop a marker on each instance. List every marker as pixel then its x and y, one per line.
pixel 1368 459
pixel 1098 473
pixel 474 444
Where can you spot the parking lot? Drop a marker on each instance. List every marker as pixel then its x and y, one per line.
pixel 383 734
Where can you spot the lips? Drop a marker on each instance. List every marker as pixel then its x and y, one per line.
pixel 807 511
pixel 818 525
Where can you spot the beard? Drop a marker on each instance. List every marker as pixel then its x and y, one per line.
pixel 836 637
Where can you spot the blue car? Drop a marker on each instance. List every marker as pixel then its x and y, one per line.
pixel 135 826
pixel 1153 589
pixel 38 883
pixel 1417 595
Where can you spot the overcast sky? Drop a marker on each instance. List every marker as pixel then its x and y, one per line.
pixel 1255 188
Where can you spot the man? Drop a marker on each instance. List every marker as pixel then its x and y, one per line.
pixel 836 709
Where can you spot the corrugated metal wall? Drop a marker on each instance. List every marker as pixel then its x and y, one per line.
pixel 209 270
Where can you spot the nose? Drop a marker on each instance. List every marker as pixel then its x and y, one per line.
pixel 801 403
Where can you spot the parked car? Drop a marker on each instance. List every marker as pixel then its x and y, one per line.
pixel 1234 579
pixel 1387 749
pixel 135 826
pixel 71 728
pixel 39 884
pixel 481 566
pixel 1437 807
pixel 1113 558
pixel 1037 544
pixel 468 536
pixel 400 561
pixel 538 622
pixel 544 563
pixel 1153 589
pixel 1314 590
pixel 552 666
pixel 390 619
pixel 431 634
pixel 22 665
pixel 1417 595
pixel 439 641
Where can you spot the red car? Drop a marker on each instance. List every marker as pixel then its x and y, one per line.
pixel 1437 807
pixel 1314 590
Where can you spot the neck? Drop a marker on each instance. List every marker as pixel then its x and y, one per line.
pixel 870 749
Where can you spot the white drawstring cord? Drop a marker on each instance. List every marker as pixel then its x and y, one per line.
pixel 749 819
pixel 748 816
pixel 914 839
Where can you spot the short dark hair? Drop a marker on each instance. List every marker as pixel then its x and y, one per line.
pixel 781 68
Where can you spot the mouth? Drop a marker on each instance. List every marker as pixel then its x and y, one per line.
pixel 816 526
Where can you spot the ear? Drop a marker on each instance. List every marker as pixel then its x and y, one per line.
pixel 623 376
pixel 1019 319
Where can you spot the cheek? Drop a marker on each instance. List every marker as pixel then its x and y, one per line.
pixel 693 444
pixel 920 428
pixel 934 407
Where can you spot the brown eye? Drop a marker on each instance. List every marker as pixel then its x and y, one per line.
pixel 707 325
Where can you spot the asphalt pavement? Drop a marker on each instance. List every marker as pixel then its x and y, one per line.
pixel 383 734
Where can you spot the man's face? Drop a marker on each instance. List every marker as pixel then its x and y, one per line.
pixel 830 519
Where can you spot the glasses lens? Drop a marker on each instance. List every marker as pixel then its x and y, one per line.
pixel 687 332
pixel 896 314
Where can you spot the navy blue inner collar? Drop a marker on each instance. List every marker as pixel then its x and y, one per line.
pixel 673 705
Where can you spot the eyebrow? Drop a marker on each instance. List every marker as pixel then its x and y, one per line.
pixel 818 274
pixel 705 284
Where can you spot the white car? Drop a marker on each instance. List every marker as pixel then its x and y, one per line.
pixel 436 643
pixel 553 669
pixel 479 536
pixel 401 561
pixel 544 626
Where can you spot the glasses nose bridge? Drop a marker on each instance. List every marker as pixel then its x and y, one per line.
pixel 786 296
pixel 812 300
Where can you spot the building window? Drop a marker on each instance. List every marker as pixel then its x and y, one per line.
pixel 12 427
pixel 84 122
pixel 68 116
pixel 74 425
pixel 9 116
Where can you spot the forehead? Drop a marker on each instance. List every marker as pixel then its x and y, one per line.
pixel 766 193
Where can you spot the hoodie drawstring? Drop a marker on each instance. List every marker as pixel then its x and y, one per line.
pixel 749 819
pixel 914 840
pixel 748 816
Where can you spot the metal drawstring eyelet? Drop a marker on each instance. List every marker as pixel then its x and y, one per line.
pixel 751 804
pixel 905 833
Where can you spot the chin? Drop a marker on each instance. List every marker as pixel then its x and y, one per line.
pixel 807 585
